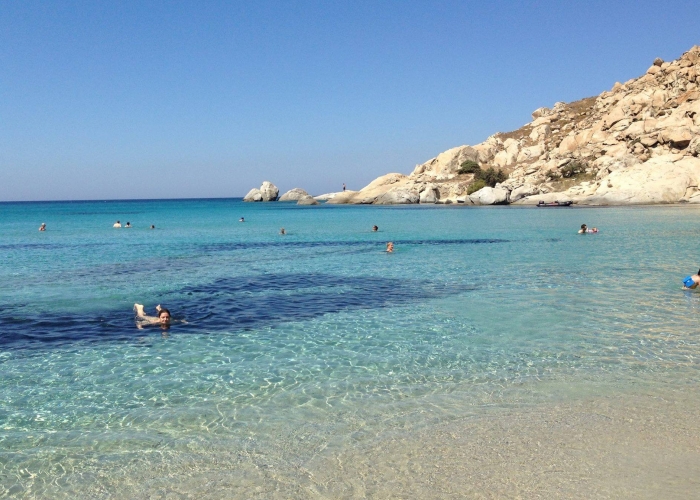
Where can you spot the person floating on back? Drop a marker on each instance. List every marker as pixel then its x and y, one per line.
pixel 117 224
pixel 584 229
pixel 163 319
pixel 42 227
pixel 691 282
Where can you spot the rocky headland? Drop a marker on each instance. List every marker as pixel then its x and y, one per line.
pixel 637 143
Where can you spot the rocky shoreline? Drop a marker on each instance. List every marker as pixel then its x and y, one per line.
pixel 638 143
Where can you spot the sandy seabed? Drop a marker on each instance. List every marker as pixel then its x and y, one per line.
pixel 643 446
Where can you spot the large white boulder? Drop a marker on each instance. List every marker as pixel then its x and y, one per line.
pixel 293 195
pixel 430 194
pixel 269 191
pixel 446 164
pixel 253 195
pixel 398 197
pixel 663 179
pixel 307 200
pixel 489 196
pixel 522 192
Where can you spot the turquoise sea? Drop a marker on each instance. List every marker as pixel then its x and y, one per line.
pixel 299 346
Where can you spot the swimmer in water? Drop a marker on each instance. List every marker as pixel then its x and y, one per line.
pixel 691 282
pixel 390 247
pixel 117 224
pixel 163 319
pixel 375 229
pixel 241 219
pixel 152 226
pixel 282 231
pixel 42 227
pixel 128 224
pixel 584 229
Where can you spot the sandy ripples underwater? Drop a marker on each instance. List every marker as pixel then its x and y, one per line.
pixel 496 353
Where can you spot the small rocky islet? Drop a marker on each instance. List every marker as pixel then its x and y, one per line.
pixel 638 143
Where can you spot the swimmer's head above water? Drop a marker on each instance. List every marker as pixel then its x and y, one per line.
pixel 164 316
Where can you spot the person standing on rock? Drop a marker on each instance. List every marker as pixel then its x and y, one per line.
pixel 343 186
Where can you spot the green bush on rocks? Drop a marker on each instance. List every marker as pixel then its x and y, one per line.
pixel 469 167
pixel 475 186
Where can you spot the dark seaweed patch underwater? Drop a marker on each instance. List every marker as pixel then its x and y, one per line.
pixel 226 305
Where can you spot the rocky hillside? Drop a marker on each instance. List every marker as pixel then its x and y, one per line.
pixel 637 143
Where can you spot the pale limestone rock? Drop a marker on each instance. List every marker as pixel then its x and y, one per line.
pixel 649 140
pixel 253 195
pixel 269 191
pixel 430 194
pixel 529 154
pixel 509 155
pixel 447 163
pixel 522 192
pixel 489 196
pixel 540 112
pixel 307 200
pixel 488 149
pixel 664 179
pixel 614 116
pixel 330 196
pixel 369 193
pixel 678 137
pixel 694 146
pixel 294 194
pixel 568 144
pixel 540 133
pixel 398 197
pixel 544 120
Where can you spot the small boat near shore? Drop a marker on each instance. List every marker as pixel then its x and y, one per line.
pixel 555 204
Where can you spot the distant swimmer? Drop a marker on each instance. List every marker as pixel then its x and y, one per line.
pixel 390 247
pixel 242 219
pixel 152 226
pixel 163 319
pixel 691 282
pixel 42 227
pixel 282 231
pixel 375 229
pixel 117 224
pixel 128 224
pixel 584 229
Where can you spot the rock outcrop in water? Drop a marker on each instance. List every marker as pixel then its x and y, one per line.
pixel 294 194
pixel 267 192
pixel 637 143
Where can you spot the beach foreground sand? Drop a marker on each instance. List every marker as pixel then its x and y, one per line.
pixel 631 446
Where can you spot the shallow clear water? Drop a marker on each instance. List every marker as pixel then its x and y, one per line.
pixel 300 344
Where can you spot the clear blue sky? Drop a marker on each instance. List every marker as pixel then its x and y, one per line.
pixel 107 100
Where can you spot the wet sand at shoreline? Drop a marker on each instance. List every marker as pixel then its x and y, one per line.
pixel 637 447
pixel 641 447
